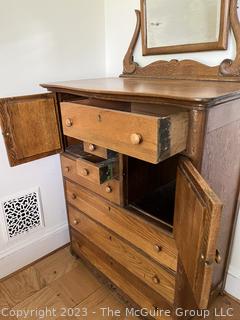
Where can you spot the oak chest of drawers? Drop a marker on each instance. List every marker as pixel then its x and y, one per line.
pixel 151 179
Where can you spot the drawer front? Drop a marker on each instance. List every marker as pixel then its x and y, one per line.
pixel 110 190
pixel 97 173
pixel 150 138
pixel 98 151
pixel 136 230
pixel 138 292
pixel 147 271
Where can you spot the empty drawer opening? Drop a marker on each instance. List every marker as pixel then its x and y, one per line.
pixel 151 189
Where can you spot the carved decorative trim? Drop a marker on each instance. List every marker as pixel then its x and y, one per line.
pixel 229 67
pixel 228 70
pixel 129 66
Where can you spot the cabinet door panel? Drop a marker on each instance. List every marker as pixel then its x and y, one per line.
pixel 30 127
pixel 196 224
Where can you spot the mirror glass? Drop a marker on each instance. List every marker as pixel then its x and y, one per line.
pixel 172 23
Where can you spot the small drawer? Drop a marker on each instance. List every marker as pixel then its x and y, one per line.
pixel 152 274
pixel 151 138
pixel 95 169
pixel 98 151
pixel 111 190
pixel 152 240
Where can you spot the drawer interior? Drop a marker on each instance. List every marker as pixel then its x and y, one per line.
pixel 138 108
pixel 151 189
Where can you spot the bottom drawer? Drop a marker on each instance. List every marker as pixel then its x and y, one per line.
pixel 138 292
pixel 149 272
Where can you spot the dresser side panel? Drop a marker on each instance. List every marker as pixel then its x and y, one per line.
pixel 221 169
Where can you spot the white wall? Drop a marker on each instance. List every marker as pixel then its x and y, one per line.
pixel 120 22
pixel 43 41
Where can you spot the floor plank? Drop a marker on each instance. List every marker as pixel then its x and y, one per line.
pixel 61 282
pixel 3 301
pixel 101 305
pixel 21 286
pixel 55 266
pixel 76 285
pixel 221 307
pixel 46 302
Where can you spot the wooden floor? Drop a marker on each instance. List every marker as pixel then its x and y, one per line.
pixel 60 284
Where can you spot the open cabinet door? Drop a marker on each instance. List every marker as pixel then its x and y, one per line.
pixel 196 223
pixel 30 127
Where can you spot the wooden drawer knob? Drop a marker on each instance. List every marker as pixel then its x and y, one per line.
pixel 69 122
pixel 136 138
pixel 218 258
pixel 75 222
pixel 157 248
pixel 91 147
pixel 84 172
pixel 67 169
pixel 155 280
pixel 108 189
pixel 74 196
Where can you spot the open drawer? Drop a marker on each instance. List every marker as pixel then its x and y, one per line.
pixel 152 138
pixel 96 169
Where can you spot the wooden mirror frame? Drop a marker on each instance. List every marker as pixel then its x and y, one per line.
pixel 221 44
pixel 228 70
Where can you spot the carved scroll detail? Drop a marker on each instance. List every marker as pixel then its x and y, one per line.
pixel 232 67
pixel 129 66
pixel 228 70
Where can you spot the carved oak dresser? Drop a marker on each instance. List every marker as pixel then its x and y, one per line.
pixel 151 166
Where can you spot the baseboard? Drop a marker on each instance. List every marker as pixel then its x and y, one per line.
pixel 25 253
pixel 233 282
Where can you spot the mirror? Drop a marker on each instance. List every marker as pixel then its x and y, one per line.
pixel 174 26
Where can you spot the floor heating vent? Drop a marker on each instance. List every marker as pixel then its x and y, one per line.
pixel 22 213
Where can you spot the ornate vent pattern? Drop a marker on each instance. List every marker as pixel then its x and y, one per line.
pixel 22 214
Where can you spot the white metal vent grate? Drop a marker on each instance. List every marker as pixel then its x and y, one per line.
pixel 22 214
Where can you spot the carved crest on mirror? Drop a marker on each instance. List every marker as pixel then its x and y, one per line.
pixel 228 70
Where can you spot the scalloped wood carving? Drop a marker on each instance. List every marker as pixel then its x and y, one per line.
pixel 228 70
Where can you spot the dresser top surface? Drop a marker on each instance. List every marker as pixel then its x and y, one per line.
pixel 202 92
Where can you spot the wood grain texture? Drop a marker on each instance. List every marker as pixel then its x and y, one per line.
pixel 30 127
pixel 103 296
pixel 231 68
pixel 73 288
pixel 97 171
pixel 138 264
pixel 144 297
pixel 184 296
pixel 221 169
pixel 69 170
pixel 45 298
pixel 196 222
pixel 127 225
pixel 100 299
pixel 186 93
pixel 129 66
pixel 160 137
pixel 196 135
pixel 52 268
pixel 222 116
pixel 97 150
pixel 21 286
